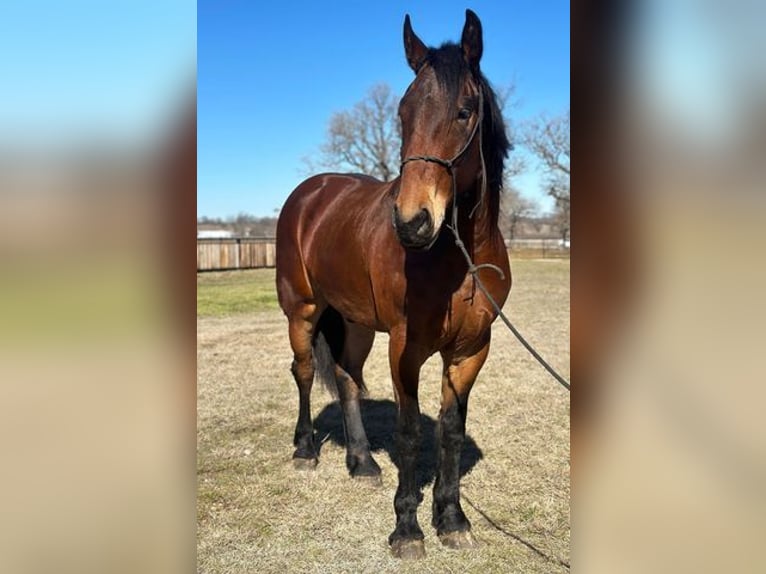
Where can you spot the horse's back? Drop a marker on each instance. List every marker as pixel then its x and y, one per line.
pixel 328 199
pixel 318 192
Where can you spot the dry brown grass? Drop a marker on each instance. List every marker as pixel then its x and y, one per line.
pixel 257 514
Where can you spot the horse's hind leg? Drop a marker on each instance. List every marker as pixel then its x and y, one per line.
pixel 356 347
pixel 301 330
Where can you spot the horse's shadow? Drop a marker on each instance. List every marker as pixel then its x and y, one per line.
pixel 379 418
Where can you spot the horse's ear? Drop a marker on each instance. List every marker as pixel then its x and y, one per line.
pixel 413 47
pixel 471 41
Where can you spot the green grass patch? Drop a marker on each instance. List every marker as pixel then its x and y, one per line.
pixel 225 293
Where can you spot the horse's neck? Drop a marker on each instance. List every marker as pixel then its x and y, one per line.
pixel 475 222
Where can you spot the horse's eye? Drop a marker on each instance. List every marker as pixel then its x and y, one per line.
pixel 464 114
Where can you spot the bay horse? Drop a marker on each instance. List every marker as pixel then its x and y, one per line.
pixel 356 255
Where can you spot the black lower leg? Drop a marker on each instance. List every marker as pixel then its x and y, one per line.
pixel 407 495
pixel 358 457
pixel 448 516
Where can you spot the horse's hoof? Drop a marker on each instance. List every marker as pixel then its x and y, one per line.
pixel 460 540
pixel 305 463
pixel 364 468
pixel 408 549
pixel 370 479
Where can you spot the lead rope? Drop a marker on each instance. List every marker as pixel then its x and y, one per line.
pixel 473 269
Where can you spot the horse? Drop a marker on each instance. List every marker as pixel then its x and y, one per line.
pixel 356 255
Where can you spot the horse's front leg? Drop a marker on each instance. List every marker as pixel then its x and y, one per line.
pixel 459 374
pixel 406 540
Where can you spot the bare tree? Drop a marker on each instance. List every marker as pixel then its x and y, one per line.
pixel 548 139
pixel 516 209
pixel 365 139
pixel 514 164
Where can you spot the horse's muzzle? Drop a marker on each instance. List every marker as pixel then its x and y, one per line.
pixel 418 232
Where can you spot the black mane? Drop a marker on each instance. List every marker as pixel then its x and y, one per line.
pixel 451 70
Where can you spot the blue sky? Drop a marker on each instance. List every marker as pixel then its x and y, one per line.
pixel 270 75
pixel 93 69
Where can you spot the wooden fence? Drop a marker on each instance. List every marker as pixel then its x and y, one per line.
pixel 253 253
pixel 537 249
pixel 235 253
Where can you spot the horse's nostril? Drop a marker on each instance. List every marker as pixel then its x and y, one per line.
pixel 395 220
pixel 422 223
pixel 425 227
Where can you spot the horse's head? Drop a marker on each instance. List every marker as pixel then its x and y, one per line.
pixel 440 115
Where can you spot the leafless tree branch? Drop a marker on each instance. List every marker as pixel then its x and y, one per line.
pixel 364 139
pixel 548 139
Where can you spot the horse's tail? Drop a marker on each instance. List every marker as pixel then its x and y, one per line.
pixel 329 338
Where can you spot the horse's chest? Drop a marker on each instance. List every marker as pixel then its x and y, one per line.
pixel 437 301
pixel 470 313
pixel 459 319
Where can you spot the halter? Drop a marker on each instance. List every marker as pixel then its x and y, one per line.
pixel 449 165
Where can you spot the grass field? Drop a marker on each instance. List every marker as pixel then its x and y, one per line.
pixel 257 514
pixel 224 293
